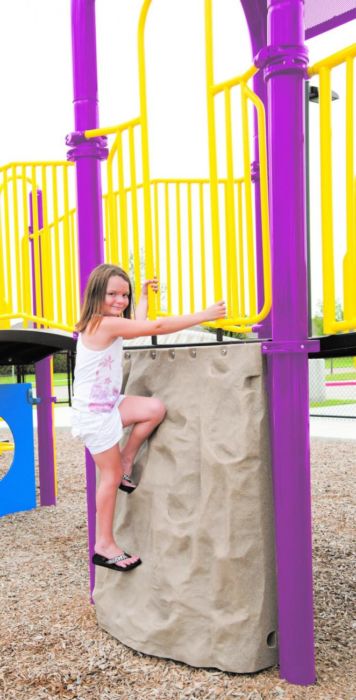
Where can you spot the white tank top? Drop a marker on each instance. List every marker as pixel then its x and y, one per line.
pixel 97 377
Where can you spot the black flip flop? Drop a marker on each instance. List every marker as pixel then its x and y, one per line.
pixel 99 560
pixel 128 488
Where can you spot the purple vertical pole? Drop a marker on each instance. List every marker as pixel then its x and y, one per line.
pixel 87 156
pixel 43 371
pixel 38 195
pixel 256 14
pixel 45 432
pixel 285 61
pixel 264 329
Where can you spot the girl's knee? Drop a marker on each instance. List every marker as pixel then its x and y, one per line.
pixel 110 472
pixel 111 481
pixel 158 410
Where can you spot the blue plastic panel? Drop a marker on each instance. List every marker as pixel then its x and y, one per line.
pixel 18 487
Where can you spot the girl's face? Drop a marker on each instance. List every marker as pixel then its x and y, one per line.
pixel 117 297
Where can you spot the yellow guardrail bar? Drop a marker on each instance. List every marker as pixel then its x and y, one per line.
pixel 323 69
pixel 39 266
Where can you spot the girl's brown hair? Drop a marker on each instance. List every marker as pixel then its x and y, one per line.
pixel 94 295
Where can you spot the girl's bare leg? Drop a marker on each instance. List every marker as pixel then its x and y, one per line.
pixel 145 414
pixel 111 471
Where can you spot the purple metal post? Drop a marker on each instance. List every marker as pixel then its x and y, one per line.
pixel 256 19
pixel 43 371
pixel 87 155
pixel 284 61
pixel 45 432
pixel 31 228
pixel 264 331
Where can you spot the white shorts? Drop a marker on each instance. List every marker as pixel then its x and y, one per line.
pixel 98 431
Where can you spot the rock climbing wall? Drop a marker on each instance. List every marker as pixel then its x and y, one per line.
pixel 201 518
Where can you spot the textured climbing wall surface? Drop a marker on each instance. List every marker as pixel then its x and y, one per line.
pixel 201 518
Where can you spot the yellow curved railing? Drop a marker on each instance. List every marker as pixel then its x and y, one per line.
pixel 323 69
pixel 239 270
pixel 188 231
pixel 197 235
pixel 39 261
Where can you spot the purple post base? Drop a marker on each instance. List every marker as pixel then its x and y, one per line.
pixel 46 454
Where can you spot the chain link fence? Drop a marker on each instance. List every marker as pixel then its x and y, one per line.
pixel 332 387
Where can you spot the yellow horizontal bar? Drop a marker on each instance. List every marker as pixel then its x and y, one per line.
pixel 6 447
pixel 38 319
pixel 59 219
pixel 16 164
pixel 106 130
pixel 233 82
pixel 176 181
pixel 238 329
pixel 342 325
pixel 227 325
pixel 191 181
pixel 219 324
pixel 334 60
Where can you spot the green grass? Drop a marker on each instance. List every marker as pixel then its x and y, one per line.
pixel 59 379
pixel 339 362
pixel 331 402
pixel 340 376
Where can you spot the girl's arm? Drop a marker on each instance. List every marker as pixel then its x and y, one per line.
pixel 114 327
pixel 142 306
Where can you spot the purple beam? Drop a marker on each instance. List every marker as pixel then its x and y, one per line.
pixel 43 371
pixel 87 155
pixel 256 14
pixel 285 60
pixel 331 23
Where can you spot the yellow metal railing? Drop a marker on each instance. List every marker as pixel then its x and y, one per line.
pixel 189 231
pixel 239 273
pixel 127 203
pixel 124 200
pixel 196 235
pixel 324 70
pixel 38 266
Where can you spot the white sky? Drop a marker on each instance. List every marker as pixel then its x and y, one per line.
pixel 35 54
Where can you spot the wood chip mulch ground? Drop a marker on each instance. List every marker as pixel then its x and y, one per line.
pixel 51 646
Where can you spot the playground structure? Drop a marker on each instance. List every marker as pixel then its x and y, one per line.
pixel 146 222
